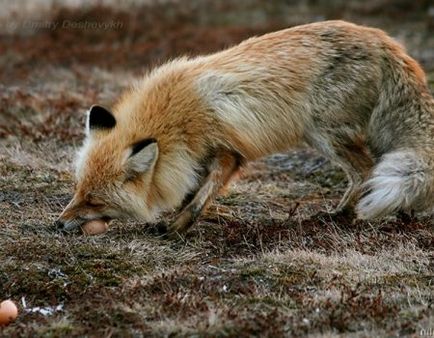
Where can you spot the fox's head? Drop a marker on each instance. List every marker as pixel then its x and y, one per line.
pixel 121 174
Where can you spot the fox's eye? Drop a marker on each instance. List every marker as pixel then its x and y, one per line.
pixel 95 204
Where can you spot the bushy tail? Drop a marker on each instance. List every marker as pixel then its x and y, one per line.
pixel 402 180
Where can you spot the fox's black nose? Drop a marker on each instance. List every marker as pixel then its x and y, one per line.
pixel 59 225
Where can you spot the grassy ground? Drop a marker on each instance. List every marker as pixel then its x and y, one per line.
pixel 262 261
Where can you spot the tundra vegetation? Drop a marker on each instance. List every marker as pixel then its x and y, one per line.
pixel 265 259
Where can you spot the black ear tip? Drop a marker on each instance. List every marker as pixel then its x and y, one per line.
pixel 142 144
pixel 101 118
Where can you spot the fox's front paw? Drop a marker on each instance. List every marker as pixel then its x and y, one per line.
pixel 182 223
pixel 159 229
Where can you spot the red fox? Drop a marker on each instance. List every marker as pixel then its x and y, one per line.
pixel 176 138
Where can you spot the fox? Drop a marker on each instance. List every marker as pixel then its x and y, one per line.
pixel 176 137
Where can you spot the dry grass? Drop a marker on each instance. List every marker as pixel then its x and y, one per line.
pixel 262 262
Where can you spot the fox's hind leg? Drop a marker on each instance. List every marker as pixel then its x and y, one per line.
pixel 220 171
pixel 353 156
pixel 357 164
pixel 346 204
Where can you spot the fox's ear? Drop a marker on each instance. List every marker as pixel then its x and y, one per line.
pixel 99 118
pixel 143 156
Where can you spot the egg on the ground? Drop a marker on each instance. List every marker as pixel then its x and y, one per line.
pixel 8 312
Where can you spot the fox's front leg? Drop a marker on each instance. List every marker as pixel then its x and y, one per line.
pixel 221 169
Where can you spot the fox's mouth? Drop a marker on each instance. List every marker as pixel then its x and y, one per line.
pixel 75 223
pixel 68 225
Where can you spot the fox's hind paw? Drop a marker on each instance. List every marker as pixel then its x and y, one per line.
pixel 344 215
pixel 406 217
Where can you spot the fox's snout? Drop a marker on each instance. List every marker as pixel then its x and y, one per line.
pixel 68 220
pixel 82 210
pixel 59 224
pixel 74 215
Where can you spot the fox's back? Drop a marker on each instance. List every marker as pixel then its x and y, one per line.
pixel 296 79
pixel 277 89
